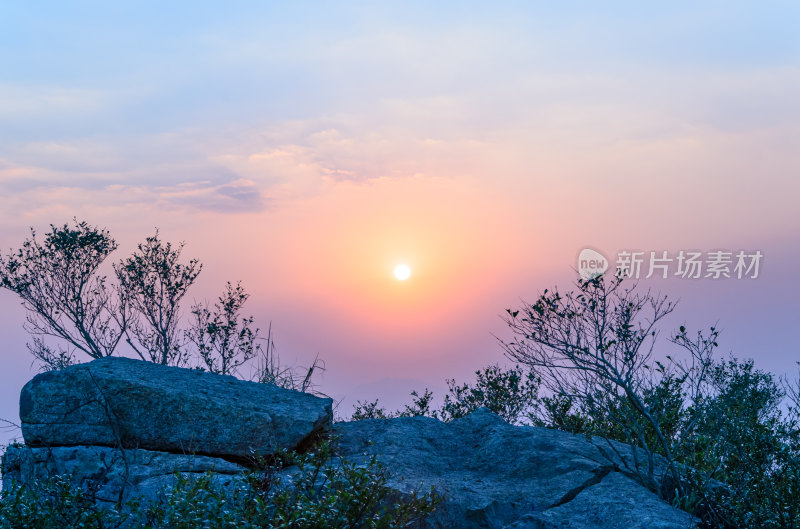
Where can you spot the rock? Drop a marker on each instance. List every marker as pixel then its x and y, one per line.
pixel 123 427
pixel 616 502
pixel 494 475
pixel 134 404
pixel 114 475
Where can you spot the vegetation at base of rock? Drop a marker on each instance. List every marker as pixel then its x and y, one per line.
pixel 290 491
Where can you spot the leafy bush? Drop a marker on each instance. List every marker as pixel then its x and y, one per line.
pixel 369 410
pixel 328 492
pixel 740 437
pixel 511 393
pixel 55 504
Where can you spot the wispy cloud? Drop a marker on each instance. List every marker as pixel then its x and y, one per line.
pixel 238 196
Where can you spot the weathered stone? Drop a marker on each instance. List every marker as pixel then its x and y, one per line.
pixel 493 475
pixel 113 474
pixel 615 502
pixel 124 402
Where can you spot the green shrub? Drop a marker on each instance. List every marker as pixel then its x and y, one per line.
pixel 324 491
pixel 510 393
pixel 369 410
pixel 54 504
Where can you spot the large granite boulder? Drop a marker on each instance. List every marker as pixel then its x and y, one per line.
pixel 121 402
pixel 494 475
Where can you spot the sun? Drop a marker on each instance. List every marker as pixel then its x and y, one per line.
pixel 402 272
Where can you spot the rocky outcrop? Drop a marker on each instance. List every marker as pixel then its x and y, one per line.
pixel 121 402
pixel 494 475
pixel 124 427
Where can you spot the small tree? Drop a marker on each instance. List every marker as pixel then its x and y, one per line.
pixel 154 282
pixel 60 286
pixel 224 339
pixel 595 347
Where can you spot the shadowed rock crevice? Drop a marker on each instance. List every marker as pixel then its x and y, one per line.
pixel 599 474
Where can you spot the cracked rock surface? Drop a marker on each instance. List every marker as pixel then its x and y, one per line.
pixel 495 475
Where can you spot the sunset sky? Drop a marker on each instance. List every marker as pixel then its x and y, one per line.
pixel 307 149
